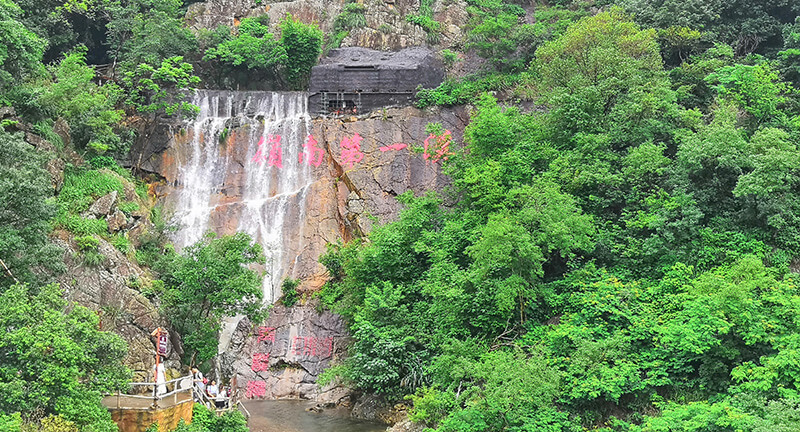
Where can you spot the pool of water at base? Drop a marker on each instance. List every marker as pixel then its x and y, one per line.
pixel 294 416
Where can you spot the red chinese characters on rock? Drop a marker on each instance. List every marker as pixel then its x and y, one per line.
pixel 312 153
pixel 266 334
pixel 255 389
pixel 439 148
pixel 275 155
pixel 270 150
pixel 351 150
pixel 395 146
pixel 312 346
pixel 260 362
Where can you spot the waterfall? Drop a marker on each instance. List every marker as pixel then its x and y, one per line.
pixel 230 172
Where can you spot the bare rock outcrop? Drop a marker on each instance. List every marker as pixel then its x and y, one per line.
pixel 364 163
pixel 106 289
pixel 283 357
pixel 386 26
pixel 102 206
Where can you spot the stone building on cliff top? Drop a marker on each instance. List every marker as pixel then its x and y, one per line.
pixel 356 80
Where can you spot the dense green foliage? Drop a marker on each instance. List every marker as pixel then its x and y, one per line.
pixel 619 259
pixel 303 45
pixel 254 47
pixel 289 291
pixel 55 360
pixel 21 49
pixel 286 61
pixel 25 209
pixel 209 281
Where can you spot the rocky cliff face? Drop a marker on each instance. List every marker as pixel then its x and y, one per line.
pixel 361 165
pixel 283 357
pixel 262 165
pixel 386 25
pixel 112 290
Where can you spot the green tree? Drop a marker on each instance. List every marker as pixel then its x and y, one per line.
pixel 303 45
pixel 209 281
pixel 25 210
pixel 64 30
pixel 758 90
pixel 139 31
pixel 21 50
pixel 254 47
pixel 605 75
pixel 790 56
pixel 163 89
pixel 205 420
pixel 748 26
pixel 55 359
pixel 689 79
pixel 90 109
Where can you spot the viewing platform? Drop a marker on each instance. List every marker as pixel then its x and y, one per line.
pixel 137 411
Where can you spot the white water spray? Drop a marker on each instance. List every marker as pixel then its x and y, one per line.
pixel 269 196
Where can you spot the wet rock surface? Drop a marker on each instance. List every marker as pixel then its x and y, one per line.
pixel 350 190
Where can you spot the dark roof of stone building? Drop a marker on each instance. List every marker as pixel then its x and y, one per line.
pixel 409 58
pixel 364 70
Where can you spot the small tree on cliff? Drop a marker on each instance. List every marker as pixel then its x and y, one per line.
pixel 303 45
pixel 208 281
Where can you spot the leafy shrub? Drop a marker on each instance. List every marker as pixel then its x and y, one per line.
pixel 449 57
pixel 253 48
pixel 121 242
pixel 163 89
pixel 88 250
pixel 335 40
pixel 289 290
pixel 352 17
pixel 425 22
pixel 78 224
pixel 45 130
pixel 98 162
pixel 42 331
pixel 128 207
pixel 303 45
pixel 465 90
pixel 154 290
pixel 88 108
pixel 87 243
pixel 209 280
pixel 82 186
pixel 25 208
pixel 205 420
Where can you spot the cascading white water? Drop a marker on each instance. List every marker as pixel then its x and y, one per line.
pixel 267 196
pixel 201 177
